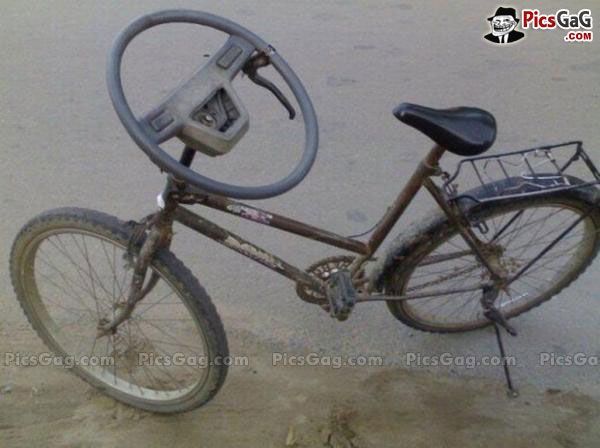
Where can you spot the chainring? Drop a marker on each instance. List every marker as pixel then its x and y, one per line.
pixel 323 269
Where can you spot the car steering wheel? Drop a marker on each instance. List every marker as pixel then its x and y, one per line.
pixel 178 114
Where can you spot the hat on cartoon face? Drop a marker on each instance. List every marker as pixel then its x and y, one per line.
pixel 501 11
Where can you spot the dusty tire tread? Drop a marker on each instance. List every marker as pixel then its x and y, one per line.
pixel 437 222
pixel 179 274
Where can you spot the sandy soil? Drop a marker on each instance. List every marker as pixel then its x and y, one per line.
pixel 53 88
pixel 266 406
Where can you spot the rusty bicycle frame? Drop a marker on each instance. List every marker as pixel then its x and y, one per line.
pixel 158 230
pixel 158 233
pixel 160 225
pixel 177 193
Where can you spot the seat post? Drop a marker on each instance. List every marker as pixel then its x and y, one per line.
pixel 434 156
pixel 426 168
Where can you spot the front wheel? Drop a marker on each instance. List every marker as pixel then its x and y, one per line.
pixel 439 259
pixel 70 274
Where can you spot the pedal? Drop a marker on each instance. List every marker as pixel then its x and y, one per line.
pixel 341 295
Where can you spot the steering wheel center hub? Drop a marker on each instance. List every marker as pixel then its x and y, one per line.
pixel 205 112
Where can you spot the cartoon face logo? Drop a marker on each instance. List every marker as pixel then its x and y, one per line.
pixel 503 24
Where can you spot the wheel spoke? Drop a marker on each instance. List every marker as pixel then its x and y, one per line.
pixel 79 282
pixel 522 234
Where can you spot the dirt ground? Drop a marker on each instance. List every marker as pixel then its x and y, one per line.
pixel 273 406
pixel 62 145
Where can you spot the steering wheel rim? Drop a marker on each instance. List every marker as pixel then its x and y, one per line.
pixel 161 158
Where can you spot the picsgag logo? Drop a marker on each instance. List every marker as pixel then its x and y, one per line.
pixel 578 25
pixel 506 20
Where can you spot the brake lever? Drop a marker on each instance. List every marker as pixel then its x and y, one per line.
pixel 251 70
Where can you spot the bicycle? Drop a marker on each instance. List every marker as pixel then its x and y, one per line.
pixel 92 284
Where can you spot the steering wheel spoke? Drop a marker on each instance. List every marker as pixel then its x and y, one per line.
pixel 231 57
pixel 161 125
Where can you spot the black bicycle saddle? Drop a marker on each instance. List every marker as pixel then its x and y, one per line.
pixel 465 131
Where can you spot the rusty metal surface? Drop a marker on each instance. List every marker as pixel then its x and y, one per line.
pixel 184 194
pixel 426 168
pixel 244 247
pixel 456 217
pixel 264 217
pixel 181 193
pixel 160 234
pixel 423 295
pixel 369 143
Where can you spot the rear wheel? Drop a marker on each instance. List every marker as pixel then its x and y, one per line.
pixel 517 232
pixel 70 274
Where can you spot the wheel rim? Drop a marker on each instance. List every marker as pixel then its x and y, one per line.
pixel 68 302
pixel 531 229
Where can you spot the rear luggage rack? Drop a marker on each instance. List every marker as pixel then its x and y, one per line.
pixel 541 169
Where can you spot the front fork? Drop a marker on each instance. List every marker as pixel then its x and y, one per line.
pixel 160 226
pixel 160 234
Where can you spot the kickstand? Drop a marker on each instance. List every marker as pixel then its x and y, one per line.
pixel 498 320
pixel 512 392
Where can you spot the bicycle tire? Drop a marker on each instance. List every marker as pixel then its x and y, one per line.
pixel 417 244
pixel 195 298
